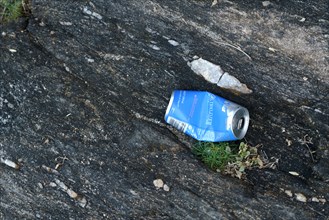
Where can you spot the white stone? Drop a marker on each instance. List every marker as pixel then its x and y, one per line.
pixel 300 197
pixel 272 49
pixel 266 3
pixel 214 74
pixel 40 185
pixel 166 188
pixel 82 202
pixel 314 199
pixel 288 192
pixel 72 194
pixel 133 192
pixel 90 60
pixel 158 183
pixel 150 30
pixel 109 56
pixel 87 11
pixel 230 82
pixel 323 200
pixel 61 185
pixel 96 15
pixel 293 173
pixel 9 163
pixel 174 43
pixel 154 47
pixel 65 23
pixel 208 70
pixel 52 184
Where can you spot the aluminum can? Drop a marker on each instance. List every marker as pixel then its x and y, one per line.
pixel 207 117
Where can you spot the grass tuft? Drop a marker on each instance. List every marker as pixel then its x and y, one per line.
pixel 230 158
pixel 214 155
pixel 11 10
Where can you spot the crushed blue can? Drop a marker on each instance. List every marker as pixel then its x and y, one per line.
pixel 207 117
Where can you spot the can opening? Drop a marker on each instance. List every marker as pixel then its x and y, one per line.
pixel 240 123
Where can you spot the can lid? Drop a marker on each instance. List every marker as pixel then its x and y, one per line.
pixel 240 123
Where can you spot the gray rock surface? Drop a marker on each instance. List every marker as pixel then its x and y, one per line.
pixel 85 84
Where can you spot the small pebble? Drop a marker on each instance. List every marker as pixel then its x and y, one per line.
pixel 158 183
pixel 61 185
pixel 293 173
pixel 266 3
pixel 150 31
pixel 166 188
pixel 13 50
pixel 174 43
pixel 40 185
pixel 133 192
pixel 52 184
pixel 289 100
pixel 272 49
pixel 82 202
pixel 96 15
pixel 9 163
pixel 10 105
pixel 288 192
pixel 215 2
pixel 65 23
pixel 154 47
pixel 289 142
pixel 300 197
pixel 87 11
pixel 314 199
pixel 72 194
pixel 90 60
pixel 50 170
pixel 323 200
pixel 67 69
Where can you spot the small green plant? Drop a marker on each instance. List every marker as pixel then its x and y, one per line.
pixel 11 10
pixel 215 155
pixel 230 158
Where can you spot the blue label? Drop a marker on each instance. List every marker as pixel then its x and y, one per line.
pixel 202 115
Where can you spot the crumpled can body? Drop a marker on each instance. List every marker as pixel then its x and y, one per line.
pixel 207 117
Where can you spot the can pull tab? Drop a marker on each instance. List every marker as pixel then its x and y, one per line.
pixel 240 123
